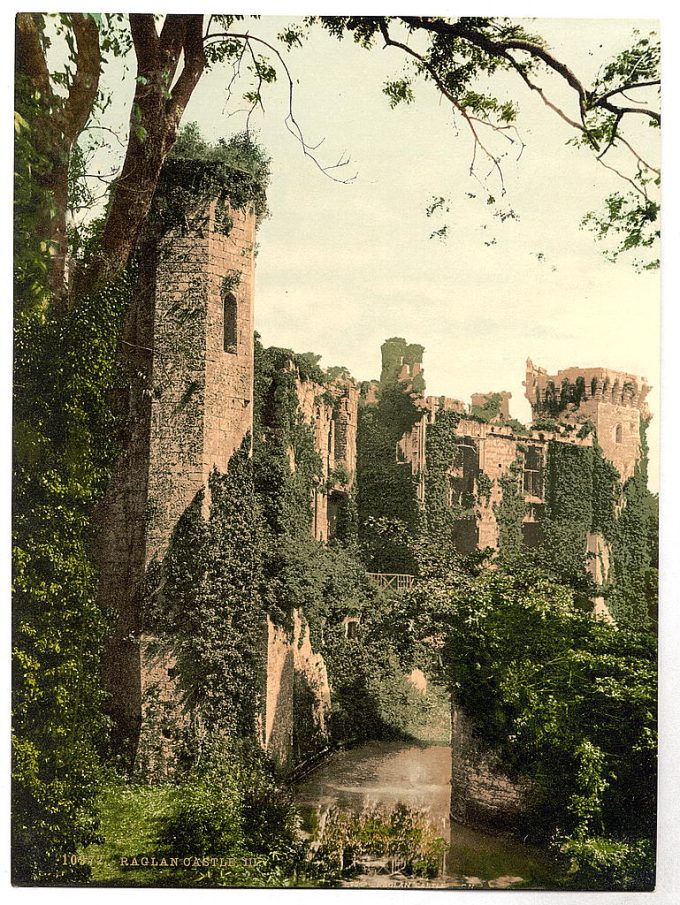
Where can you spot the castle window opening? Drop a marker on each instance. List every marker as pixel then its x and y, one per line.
pixel 351 627
pixel 533 472
pixel 618 433
pixel 230 320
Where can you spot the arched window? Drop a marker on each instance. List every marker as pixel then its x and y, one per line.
pixel 230 322
pixel 618 434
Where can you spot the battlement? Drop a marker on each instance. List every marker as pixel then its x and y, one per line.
pixel 569 387
pixel 614 402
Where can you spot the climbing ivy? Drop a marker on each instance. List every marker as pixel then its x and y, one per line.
pixel 490 408
pixel 634 536
pixel 65 442
pixel 397 352
pixel 511 510
pixel 287 466
pixel 387 498
pixel 442 455
pixel 234 173
pixel 568 516
pixel 208 606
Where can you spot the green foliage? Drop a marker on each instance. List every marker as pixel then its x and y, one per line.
pixel 399 91
pixel 602 863
pixel 64 445
pixel 234 173
pixel 489 410
pixel 282 437
pixel 568 516
pixel 64 442
pixel 632 222
pixel 395 353
pixel 562 698
pixel 231 817
pixel 511 510
pixel 444 504
pixel 387 489
pixel 207 604
pixel 635 549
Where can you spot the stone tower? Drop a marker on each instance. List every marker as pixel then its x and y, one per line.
pixel 188 348
pixel 613 401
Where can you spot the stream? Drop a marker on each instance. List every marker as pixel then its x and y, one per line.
pixel 385 774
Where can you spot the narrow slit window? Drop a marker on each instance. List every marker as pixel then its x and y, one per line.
pixel 230 321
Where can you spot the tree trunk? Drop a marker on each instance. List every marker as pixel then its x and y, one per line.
pixel 154 121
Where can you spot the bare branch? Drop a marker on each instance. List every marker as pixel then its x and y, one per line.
pixel 454 101
pixel 290 121
pixel 627 87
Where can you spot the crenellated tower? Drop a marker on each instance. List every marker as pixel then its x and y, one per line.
pixel 613 401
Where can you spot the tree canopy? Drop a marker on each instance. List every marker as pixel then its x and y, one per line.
pixel 458 57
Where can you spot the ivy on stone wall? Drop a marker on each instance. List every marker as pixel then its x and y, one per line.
pixel 634 536
pixel 584 494
pixel 396 352
pixel 287 466
pixel 208 606
pixel 387 498
pixel 568 516
pixel 512 509
pixel 234 173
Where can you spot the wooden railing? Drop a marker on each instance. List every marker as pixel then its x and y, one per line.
pixel 394 581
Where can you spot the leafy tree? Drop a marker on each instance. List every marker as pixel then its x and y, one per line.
pixel 563 699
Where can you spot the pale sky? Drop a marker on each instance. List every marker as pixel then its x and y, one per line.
pixel 342 267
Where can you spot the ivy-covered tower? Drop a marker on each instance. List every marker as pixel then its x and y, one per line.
pixel 613 401
pixel 188 354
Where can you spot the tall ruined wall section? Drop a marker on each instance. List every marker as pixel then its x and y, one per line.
pixel 189 408
pixel 332 413
pixel 297 697
pixel 201 382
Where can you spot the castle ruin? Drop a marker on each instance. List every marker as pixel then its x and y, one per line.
pixel 189 344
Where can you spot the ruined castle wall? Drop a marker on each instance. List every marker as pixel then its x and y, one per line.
pixel 189 407
pixel 481 794
pixel 201 395
pixel 614 401
pixel 279 715
pixel 618 433
pixel 334 425
pixel 229 375
pixel 292 665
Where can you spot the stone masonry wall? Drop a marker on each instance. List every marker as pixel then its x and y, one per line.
pixel 614 401
pixel 291 663
pixel 189 408
pixel 334 424
pixel 481 794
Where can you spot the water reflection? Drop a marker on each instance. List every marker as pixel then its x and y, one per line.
pixel 384 774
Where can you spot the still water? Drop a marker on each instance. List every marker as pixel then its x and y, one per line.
pixel 385 774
